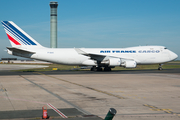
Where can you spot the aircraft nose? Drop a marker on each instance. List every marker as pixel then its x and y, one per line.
pixel 174 56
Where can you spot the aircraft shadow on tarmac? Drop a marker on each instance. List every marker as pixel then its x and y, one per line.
pixel 169 71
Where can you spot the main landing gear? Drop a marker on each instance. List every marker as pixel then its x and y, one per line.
pixel 160 67
pixel 94 68
pixel 107 69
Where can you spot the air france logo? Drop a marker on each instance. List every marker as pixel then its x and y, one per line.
pixel 129 51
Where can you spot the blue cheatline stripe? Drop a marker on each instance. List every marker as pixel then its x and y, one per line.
pixel 20 34
pixel 8 30
pixel 16 34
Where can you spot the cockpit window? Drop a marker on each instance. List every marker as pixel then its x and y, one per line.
pixel 165 48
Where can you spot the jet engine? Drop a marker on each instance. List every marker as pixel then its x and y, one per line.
pixel 129 64
pixel 112 62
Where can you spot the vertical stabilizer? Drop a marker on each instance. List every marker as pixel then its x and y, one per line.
pixel 17 36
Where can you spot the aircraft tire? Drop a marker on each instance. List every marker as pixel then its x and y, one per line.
pixel 99 69
pixel 160 68
pixel 93 68
pixel 107 69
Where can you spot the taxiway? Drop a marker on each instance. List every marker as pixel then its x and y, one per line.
pixel 136 94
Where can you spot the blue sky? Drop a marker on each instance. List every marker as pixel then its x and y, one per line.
pixel 97 23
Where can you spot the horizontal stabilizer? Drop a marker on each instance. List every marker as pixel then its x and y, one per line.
pixel 20 50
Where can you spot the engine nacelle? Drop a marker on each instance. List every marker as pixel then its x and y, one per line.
pixel 89 62
pixel 9 52
pixel 130 64
pixel 114 62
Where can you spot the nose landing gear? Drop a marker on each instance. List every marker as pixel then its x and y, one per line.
pixel 160 67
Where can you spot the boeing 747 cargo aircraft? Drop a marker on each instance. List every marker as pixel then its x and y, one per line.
pixel 99 58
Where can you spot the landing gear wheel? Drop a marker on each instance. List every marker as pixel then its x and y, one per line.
pixel 107 69
pixel 160 68
pixel 93 68
pixel 99 69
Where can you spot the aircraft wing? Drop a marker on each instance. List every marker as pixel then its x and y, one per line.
pixel 99 57
pixel 20 50
pixel 109 60
pixel 91 55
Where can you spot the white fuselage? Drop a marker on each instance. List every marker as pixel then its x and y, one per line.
pixel 69 56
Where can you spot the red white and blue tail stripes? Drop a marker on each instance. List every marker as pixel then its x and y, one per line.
pixel 16 35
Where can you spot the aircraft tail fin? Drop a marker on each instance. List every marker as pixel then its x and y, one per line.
pixel 17 36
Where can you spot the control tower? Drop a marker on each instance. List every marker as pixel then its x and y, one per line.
pixel 53 36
